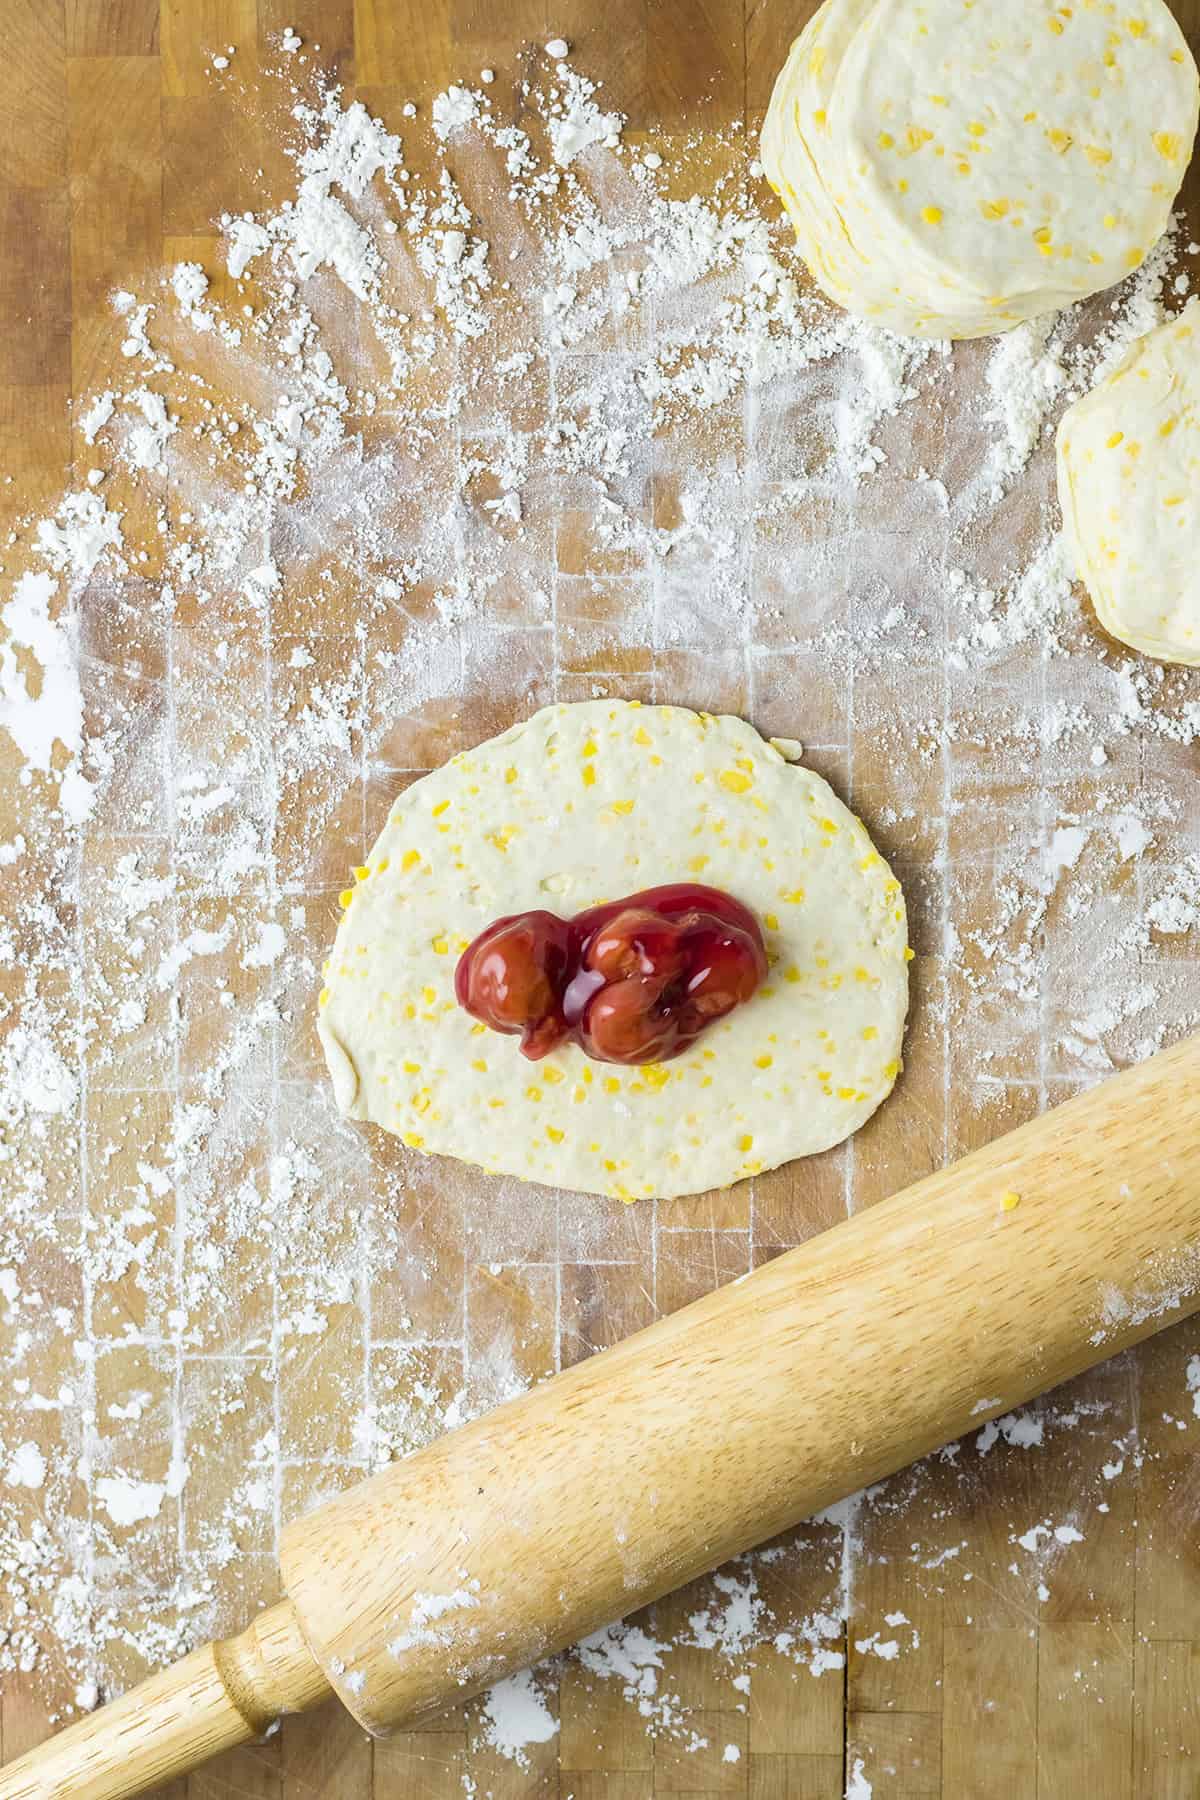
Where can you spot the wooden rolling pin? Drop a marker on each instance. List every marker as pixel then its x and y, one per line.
pixel 717 1427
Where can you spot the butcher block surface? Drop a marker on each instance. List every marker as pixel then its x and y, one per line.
pixel 119 148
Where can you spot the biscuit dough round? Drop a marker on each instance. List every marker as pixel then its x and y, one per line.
pixel 1129 482
pixel 954 169
pixel 587 803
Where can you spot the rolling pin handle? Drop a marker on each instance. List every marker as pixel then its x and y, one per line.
pixel 215 1699
pixel 269 1670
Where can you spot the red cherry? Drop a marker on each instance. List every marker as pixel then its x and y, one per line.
pixel 725 968
pixel 511 978
pixel 625 1024
pixel 636 941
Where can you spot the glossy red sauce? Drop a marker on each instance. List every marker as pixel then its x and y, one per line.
pixel 633 981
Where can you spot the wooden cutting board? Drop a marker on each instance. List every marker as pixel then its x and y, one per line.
pixel 116 151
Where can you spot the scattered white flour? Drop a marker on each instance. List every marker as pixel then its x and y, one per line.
pixel 516 1717
pixel 246 239
pixel 1132 834
pixel 26 1467
pixel 452 110
pixel 1064 849
pixel 626 1653
pixel 732 1623
pixel 428 1608
pixel 38 716
pixel 578 122
pixel 1057 1534
pixel 148 441
pixel 857 1786
pixel 190 285
pixel 34 1077
pixel 1025 378
pixel 127 1501
pixel 268 948
pixel 1023 1430
pixel 80 533
pixel 97 415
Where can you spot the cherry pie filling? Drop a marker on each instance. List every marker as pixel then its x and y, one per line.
pixel 633 981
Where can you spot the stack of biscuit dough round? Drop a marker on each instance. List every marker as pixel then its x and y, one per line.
pixel 955 167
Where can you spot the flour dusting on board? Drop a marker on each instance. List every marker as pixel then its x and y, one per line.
pixel 480 414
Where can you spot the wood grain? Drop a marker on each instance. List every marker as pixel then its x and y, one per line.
pixel 115 150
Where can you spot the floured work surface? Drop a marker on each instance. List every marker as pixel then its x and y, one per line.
pixel 382 497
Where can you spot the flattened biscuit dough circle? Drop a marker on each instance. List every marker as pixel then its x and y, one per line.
pixel 1129 482
pixel 952 170
pixel 582 804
